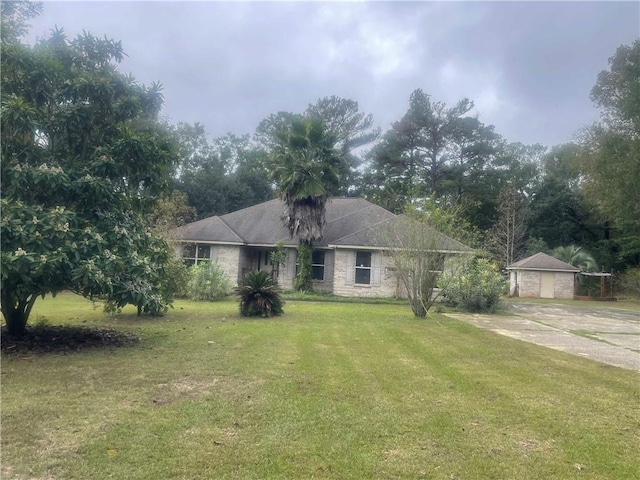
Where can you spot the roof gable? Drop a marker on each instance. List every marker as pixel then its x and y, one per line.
pixel 542 261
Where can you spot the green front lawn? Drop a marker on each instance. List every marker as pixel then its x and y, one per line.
pixel 329 390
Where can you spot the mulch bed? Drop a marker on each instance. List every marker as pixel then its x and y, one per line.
pixel 57 339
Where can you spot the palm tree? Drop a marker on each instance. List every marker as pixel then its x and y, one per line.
pixel 307 173
pixel 577 257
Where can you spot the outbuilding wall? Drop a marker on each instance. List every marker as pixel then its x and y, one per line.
pixel 527 284
pixel 564 285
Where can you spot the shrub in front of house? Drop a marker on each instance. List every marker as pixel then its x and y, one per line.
pixel 208 282
pixel 259 296
pixel 477 287
pixel 178 276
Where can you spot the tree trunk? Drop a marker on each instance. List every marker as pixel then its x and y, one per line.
pixel 16 311
pixel 434 174
pixel 418 308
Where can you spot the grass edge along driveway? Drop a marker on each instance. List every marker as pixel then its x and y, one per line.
pixel 326 391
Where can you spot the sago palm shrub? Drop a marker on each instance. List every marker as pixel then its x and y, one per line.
pixel 259 296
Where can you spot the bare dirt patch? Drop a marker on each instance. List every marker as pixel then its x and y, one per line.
pixel 182 389
pixel 59 339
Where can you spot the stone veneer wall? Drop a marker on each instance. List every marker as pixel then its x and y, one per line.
pixel 288 271
pixel 528 283
pixel 388 282
pixel 228 257
pixel 563 285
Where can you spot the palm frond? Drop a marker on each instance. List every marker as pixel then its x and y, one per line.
pixel 259 296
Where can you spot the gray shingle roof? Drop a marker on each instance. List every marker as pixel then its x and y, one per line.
pixel 542 261
pixel 375 234
pixel 260 224
pixel 207 230
pixel 350 222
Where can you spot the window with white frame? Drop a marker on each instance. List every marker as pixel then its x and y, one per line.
pixel 194 253
pixel 363 268
pixel 317 265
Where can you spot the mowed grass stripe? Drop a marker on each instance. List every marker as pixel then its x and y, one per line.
pixel 326 391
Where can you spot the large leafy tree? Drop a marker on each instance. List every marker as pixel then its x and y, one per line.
pixel 352 130
pixel 221 175
pixel 437 150
pixel 307 171
pixel 475 145
pixel 421 142
pixel 15 15
pixel 558 213
pixel 393 176
pixel 611 160
pixel 83 159
pixel 270 130
pixel 342 118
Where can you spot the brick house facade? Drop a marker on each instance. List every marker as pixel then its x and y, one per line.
pixel 348 261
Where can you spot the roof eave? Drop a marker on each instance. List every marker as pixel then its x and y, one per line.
pixel 370 247
pixel 543 269
pixel 208 242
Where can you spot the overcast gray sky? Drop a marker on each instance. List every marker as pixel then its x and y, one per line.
pixel 528 67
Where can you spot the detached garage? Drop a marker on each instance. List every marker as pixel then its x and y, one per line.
pixel 542 276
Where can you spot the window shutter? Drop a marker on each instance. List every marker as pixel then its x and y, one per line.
pixel 350 270
pixel 375 269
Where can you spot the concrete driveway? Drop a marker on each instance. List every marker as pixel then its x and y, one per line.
pixel 606 334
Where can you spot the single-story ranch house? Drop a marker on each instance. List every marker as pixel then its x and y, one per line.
pixel 348 261
pixel 542 276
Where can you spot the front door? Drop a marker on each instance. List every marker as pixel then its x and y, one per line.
pixel 263 260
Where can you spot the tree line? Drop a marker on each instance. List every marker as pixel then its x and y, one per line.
pixel 519 199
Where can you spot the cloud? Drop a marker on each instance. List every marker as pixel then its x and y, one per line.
pixel 528 66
